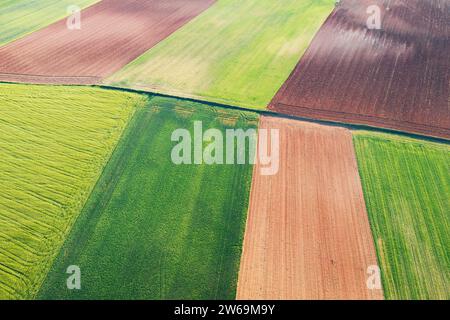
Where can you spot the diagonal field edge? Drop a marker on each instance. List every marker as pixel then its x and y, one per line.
pixel 113 33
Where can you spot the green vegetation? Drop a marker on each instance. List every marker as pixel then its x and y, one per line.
pixel 407 186
pixel 237 52
pixel 20 17
pixel 54 143
pixel 155 230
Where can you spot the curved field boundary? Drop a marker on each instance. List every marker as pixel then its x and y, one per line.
pixel 308 234
pixel 112 34
pixel 397 77
pixel 282 115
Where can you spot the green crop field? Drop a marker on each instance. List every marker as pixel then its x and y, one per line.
pixel 407 186
pixel 156 230
pixel 54 143
pixel 20 17
pixel 237 52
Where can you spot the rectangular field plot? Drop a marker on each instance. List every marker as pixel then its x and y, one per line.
pixel 54 143
pixel 308 234
pixel 407 186
pixel 396 77
pixel 112 33
pixel 156 230
pixel 237 52
pixel 20 17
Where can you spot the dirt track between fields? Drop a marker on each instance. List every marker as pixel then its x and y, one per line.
pixel 397 77
pixel 308 234
pixel 113 33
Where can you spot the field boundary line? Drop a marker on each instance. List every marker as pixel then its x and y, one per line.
pixel 329 114
pixel 333 123
pixel 124 136
pixel 23 78
pixel 271 113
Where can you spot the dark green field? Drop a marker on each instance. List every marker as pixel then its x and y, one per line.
pixel 406 185
pixel 54 143
pixel 155 230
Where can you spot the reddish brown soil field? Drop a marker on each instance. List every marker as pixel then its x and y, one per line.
pixel 308 233
pixel 113 33
pixel 397 77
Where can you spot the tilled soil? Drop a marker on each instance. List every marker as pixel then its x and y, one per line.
pixel 397 77
pixel 112 34
pixel 308 233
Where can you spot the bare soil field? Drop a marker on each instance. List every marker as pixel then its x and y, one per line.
pixel 112 34
pixel 397 77
pixel 308 233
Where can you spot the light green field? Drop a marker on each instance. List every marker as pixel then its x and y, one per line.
pixel 20 17
pixel 407 186
pixel 237 52
pixel 156 230
pixel 54 143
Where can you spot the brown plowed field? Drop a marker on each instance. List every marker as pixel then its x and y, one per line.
pixel 308 234
pixel 397 77
pixel 113 33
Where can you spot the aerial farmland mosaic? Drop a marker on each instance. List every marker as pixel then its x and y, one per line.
pixel 243 150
